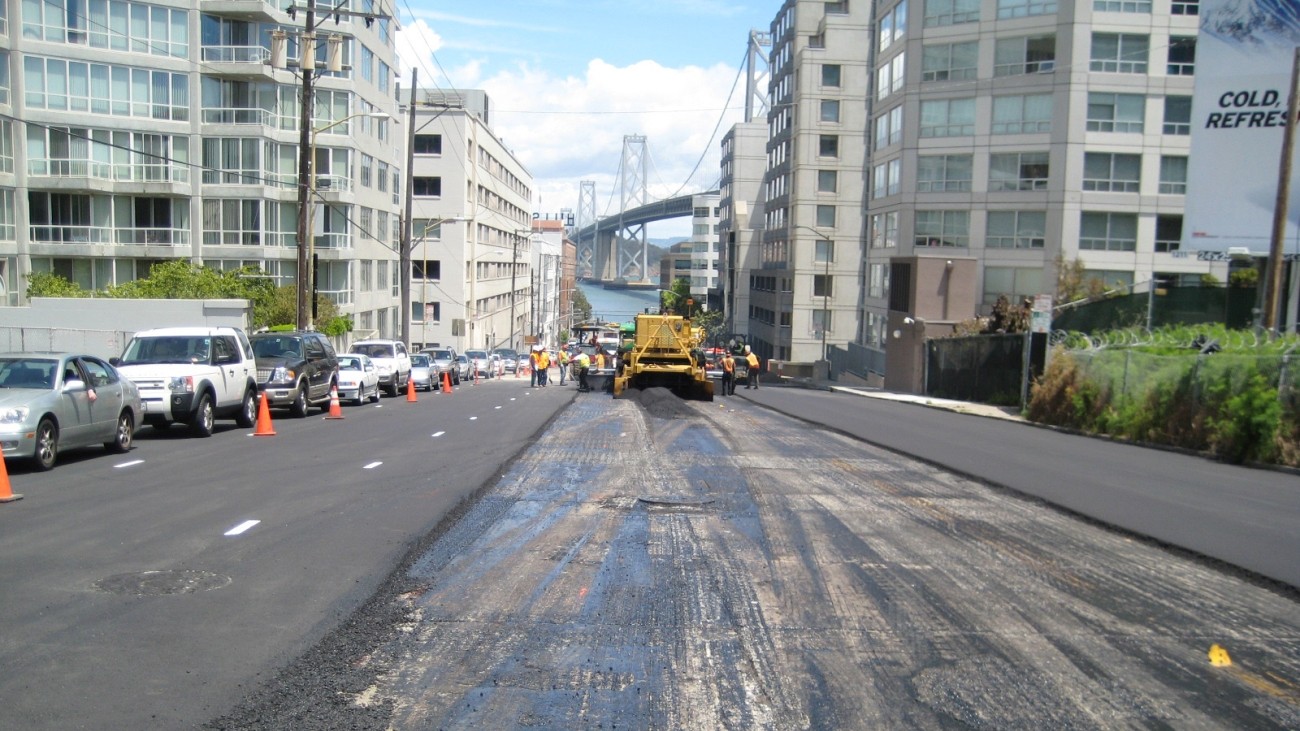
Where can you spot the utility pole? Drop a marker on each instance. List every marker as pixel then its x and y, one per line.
pixel 1273 280
pixel 307 64
pixel 404 253
pixel 514 266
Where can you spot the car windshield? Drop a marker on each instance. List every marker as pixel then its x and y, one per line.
pixel 477 354
pixel 374 350
pixel 419 361
pixel 349 363
pixel 462 359
pixel 27 373
pixel 440 354
pixel 277 347
pixel 168 349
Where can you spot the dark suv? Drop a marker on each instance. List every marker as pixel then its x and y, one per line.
pixel 296 369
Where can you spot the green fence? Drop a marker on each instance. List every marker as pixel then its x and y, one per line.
pixel 1231 306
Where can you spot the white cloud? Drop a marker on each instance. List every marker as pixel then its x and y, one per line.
pixel 569 129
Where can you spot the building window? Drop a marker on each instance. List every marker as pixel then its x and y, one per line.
pixel 878 281
pixel 1108 231
pixel 947 117
pixel 821 322
pixel 884 230
pixel 823 285
pixel 893 25
pixel 1110 172
pixel 831 75
pixel 1025 8
pixel 1122 6
pixel 430 269
pixel 1185 7
pixel 1018 171
pixel 887 177
pixel 950 12
pixel 949 61
pixel 365 278
pixel 1116 112
pixel 828 146
pixel 428 144
pixel 826 216
pixel 1025 55
pixel 942 228
pixel 943 173
pixel 1120 53
pixel 889 128
pixel 1173 175
pixel 1182 56
pixel 1015 283
pixel 830 110
pixel 367 170
pixel 1169 232
pixel 1015 230
pixel 426 187
pixel 824 251
pixel 1178 115
pixel 827 181
pixel 1029 114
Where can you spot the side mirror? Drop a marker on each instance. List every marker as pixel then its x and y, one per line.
pixel 74 385
pixel 115 361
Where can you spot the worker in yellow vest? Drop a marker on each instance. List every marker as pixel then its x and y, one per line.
pixel 751 358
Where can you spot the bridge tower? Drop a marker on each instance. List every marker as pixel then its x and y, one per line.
pixel 586 265
pixel 631 250
pixel 756 76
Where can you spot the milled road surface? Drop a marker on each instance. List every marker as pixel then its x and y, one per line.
pixel 670 565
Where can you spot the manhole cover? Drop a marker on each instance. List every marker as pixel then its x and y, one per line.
pixel 161 583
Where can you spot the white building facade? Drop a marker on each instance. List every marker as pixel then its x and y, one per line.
pixel 740 217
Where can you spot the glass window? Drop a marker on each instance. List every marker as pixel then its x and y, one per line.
pixel 1022 114
pixel 1025 8
pixel 826 216
pixel 950 12
pixel 1112 172
pixel 1185 7
pixel 884 230
pixel 1182 56
pixel 1108 231
pixel 1122 6
pixel 831 75
pixel 1120 53
pixel 1018 171
pixel 828 146
pixel 824 251
pixel 830 109
pixel 1173 175
pixel 1178 115
pixel 947 117
pixel 893 24
pixel 942 228
pixel 949 61
pixel 1109 112
pixel 826 181
pixel 1169 232
pixel 1025 55
pixel 943 173
pixel 1016 230
pixel 1015 283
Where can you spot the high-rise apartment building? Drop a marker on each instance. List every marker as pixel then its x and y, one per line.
pixel 803 293
pixel 135 133
pixel 1006 134
pixel 471 277
pixel 740 217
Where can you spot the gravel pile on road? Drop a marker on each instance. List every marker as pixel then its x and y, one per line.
pixel 661 402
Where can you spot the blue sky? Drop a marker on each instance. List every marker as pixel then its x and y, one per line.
pixel 569 79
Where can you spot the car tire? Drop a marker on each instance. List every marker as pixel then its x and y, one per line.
pixel 374 397
pixel 247 416
pixel 47 445
pixel 299 406
pixel 204 417
pixel 121 443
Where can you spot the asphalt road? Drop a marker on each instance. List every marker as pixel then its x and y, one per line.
pixel 672 565
pixel 126 605
pixel 1244 516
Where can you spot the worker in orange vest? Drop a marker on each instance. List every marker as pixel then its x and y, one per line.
pixel 728 375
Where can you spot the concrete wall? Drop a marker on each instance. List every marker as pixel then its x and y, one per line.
pixel 102 327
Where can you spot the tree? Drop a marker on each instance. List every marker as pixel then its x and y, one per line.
pixel 581 307
pixel 1074 283
pixel 674 299
pixel 49 284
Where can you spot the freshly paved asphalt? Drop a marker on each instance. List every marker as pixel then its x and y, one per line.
pixel 1244 516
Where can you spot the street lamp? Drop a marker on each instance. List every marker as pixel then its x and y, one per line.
pixel 424 268
pixel 306 239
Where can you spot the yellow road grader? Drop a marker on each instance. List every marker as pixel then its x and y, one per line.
pixel 665 353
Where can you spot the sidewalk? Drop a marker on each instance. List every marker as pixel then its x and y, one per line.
pixel 1010 413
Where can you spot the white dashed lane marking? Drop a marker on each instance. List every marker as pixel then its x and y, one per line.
pixel 372 465
pixel 242 527
pixel 435 435
pixel 132 463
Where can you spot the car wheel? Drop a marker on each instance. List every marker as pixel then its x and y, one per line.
pixel 47 445
pixel 374 397
pixel 299 406
pixel 204 417
pixel 122 437
pixel 247 417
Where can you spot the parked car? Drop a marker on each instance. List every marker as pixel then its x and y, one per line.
pixel 425 374
pixel 295 370
pixel 508 357
pixel 358 378
pixel 192 375
pixel 463 368
pixel 482 363
pixel 55 401
pixel 445 359
pixel 391 360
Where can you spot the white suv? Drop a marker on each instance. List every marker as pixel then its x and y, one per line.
pixel 391 361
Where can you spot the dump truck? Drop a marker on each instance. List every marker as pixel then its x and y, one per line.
pixel 665 352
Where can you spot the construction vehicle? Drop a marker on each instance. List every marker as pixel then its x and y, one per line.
pixel 665 353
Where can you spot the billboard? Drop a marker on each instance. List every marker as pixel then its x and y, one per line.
pixel 1244 54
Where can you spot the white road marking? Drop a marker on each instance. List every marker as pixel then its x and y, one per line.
pixel 496 407
pixel 438 434
pixel 242 527
pixel 132 463
pixel 472 418
pixel 372 465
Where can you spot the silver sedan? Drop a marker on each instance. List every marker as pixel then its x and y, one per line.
pixel 53 401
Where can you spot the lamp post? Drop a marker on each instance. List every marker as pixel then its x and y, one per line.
pixel 306 239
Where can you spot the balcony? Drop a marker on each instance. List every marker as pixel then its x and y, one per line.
pixel 332 187
pixel 252 63
pixel 243 117
pixel 87 174
pixel 106 235
pixel 249 9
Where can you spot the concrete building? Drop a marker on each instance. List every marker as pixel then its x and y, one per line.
pixel 547 280
pixel 740 217
pixel 705 250
pixel 676 263
pixel 803 293
pixel 471 278
pixel 125 144
pixel 1007 135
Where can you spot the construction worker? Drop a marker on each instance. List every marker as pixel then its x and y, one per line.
pixel 543 365
pixel 751 359
pixel 564 364
pixel 728 375
pixel 584 363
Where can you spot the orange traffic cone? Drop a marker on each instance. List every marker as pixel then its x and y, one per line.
pixel 475 373
pixel 446 382
pixel 264 428
pixel 336 409
pixel 410 392
pixel 7 494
